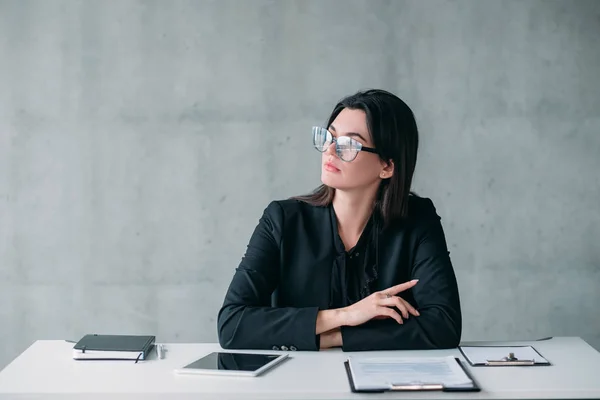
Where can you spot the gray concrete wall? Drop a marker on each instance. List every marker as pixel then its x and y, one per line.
pixel 141 140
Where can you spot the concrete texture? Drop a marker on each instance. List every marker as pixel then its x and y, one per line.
pixel 141 140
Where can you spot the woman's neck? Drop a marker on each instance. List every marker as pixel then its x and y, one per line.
pixel 353 210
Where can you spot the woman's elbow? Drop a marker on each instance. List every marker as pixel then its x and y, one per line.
pixel 225 339
pixel 442 328
pixel 448 335
pixel 450 339
pixel 226 325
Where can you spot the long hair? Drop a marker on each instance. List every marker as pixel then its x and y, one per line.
pixel 393 129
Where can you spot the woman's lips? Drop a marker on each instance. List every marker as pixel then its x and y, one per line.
pixel 331 168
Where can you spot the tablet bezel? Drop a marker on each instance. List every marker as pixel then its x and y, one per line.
pixel 201 371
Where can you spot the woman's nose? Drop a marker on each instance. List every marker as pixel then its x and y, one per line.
pixel 331 149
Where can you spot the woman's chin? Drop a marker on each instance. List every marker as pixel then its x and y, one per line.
pixel 332 182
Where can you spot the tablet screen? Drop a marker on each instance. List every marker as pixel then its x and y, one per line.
pixel 232 361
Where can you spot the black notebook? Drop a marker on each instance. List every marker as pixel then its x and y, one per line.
pixel 113 347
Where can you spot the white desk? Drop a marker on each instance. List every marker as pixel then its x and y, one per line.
pixel 46 369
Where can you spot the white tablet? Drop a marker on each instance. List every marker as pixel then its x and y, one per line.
pixel 231 363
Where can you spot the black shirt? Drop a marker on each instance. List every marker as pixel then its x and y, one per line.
pixel 352 270
pixel 295 265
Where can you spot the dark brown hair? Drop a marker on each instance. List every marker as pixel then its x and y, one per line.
pixel 394 132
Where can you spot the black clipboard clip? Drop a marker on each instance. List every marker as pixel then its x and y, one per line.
pixel 510 360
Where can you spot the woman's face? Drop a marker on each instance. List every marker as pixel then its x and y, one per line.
pixel 366 170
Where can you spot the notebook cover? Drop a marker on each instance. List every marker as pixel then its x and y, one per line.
pixel 132 343
pixel 474 388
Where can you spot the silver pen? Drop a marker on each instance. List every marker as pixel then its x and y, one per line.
pixel 160 351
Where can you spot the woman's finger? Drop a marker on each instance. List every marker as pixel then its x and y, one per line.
pixel 409 308
pixel 390 313
pixel 401 287
pixel 395 301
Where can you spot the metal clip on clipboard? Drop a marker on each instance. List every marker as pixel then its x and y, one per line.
pixel 416 386
pixel 510 360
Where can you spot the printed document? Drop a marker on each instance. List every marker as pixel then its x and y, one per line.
pixel 385 372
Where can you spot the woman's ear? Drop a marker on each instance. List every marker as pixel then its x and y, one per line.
pixel 387 171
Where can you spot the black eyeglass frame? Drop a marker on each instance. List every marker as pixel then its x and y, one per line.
pixel 330 138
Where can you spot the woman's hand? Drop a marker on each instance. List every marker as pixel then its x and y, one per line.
pixel 380 305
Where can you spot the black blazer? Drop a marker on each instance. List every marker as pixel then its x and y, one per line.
pixel 283 280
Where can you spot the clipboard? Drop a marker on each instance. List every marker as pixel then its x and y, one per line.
pixel 411 388
pixel 509 360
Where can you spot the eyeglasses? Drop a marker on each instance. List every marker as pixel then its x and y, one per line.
pixel 346 148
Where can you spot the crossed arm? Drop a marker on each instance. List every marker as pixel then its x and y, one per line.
pixel 247 321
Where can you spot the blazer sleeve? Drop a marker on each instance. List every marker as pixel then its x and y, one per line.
pixel 435 296
pixel 246 319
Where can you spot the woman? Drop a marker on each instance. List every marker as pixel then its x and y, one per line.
pixel 361 263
